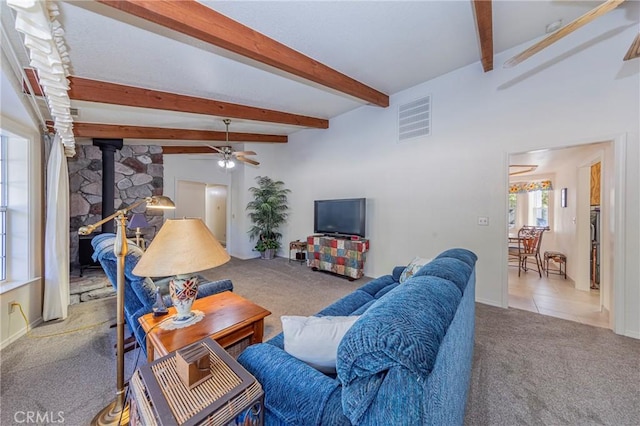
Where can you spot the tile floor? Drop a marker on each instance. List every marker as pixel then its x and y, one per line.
pixel 556 297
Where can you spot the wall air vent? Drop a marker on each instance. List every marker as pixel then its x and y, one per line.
pixel 414 119
pixel 74 112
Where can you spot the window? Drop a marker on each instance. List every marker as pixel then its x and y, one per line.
pixel 530 204
pixel 538 208
pixel 19 192
pixel 513 203
pixel 3 208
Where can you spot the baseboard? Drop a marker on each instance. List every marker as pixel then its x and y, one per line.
pixel 18 334
pixel 488 302
pixel 246 257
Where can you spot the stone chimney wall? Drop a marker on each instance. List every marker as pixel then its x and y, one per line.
pixel 139 172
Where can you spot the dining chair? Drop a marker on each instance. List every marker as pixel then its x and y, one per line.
pixel 529 242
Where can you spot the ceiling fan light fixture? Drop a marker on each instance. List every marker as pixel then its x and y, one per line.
pixel 228 154
pixel 226 164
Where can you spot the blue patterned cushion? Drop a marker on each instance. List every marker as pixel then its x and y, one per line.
pixel 402 329
pixel 295 393
pixel 375 285
pixel 347 305
pixel 386 290
pixel 465 255
pixel 364 307
pixel 449 268
pixel 413 267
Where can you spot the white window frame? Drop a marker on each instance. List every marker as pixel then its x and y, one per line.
pixel 524 211
pixel 532 209
pixel 22 243
pixel 515 211
pixel 3 206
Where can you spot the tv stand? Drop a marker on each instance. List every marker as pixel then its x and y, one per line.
pixel 341 236
pixel 339 255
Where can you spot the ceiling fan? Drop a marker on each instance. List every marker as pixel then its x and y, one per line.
pixel 607 6
pixel 228 154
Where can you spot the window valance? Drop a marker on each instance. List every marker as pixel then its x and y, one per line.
pixel 44 39
pixel 519 187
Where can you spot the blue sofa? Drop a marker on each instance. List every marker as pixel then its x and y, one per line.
pixel 139 292
pixel 405 361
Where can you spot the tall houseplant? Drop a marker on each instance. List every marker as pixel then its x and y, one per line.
pixel 267 211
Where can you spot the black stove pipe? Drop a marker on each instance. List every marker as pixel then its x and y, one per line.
pixel 108 148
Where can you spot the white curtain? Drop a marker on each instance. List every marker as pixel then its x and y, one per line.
pixel 56 246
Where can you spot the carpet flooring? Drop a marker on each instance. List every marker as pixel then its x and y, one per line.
pixel 528 369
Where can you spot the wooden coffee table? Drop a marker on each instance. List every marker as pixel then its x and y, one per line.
pixel 230 320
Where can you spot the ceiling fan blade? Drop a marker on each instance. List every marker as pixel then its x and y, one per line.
pixel 215 148
pixel 567 29
pixel 247 160
pixel 244 153
pixel 634 49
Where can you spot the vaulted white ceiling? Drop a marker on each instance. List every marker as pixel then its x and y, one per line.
pixel 387 45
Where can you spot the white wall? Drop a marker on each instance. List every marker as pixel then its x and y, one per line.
pixel 425 196
pixel 190 199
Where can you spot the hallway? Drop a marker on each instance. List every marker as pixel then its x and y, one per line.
pixel 554 296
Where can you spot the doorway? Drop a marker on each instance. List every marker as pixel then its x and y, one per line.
pixel 206 201
pixel 574 298
pixel 216 211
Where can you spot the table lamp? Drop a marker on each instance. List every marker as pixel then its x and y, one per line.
pixel 137 221
pixel 181 248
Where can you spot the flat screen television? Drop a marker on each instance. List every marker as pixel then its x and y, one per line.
pixel 345 217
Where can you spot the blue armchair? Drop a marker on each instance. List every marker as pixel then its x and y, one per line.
pixel 139 292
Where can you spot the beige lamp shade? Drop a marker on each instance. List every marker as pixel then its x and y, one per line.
pixel 182 246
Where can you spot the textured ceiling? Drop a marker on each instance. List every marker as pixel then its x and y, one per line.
pixel 388 45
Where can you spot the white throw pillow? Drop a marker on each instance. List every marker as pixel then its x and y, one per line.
pixel 413 267
pixel 315 340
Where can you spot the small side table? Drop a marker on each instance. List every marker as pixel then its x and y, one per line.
pixel 231 320
pixel 300 248
pixel 230 396
pixel 560 259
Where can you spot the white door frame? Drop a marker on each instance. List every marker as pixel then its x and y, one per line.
pixel 582 278
pixel 616 224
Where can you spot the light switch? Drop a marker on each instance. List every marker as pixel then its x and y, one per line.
pixel 483 221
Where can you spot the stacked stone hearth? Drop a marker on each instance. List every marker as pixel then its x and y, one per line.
pixel 139 173
pixel 92 285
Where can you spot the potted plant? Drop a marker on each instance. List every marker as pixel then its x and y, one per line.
pixel 267 211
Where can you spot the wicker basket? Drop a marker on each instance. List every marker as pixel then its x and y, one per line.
pixel 231 396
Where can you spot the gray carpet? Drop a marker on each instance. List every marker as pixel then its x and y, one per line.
pixel 528 369
pixel 538 370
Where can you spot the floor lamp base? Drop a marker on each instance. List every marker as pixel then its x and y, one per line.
pixel 112 414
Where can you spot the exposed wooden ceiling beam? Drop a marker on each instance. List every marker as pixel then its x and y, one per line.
pixel 96 130
pixel 484 21
pixel 198 21
pixel 82 89
pixel 188 150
